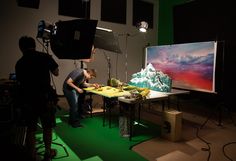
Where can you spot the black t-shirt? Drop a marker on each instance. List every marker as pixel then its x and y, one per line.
pixel 77 76
pixel 33 72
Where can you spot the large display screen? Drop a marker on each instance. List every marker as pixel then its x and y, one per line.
pixel 190 65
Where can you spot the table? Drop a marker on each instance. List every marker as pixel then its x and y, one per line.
pixel 110 95
pixel 107 91
pixel 131 103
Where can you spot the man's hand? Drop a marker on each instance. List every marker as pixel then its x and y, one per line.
pixel 96 85
pixel 79 90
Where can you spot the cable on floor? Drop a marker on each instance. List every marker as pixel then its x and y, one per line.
pixel 223 148
pixel 208 149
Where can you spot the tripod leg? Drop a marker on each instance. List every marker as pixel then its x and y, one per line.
pixel 67 154
pixel 219 116
pixel 220 110
pixel 206 121
pixel 230 115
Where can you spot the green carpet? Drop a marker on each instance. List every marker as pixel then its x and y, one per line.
pixel 64 153
pixel 95 140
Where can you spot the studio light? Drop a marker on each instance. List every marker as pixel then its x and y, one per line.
pixel 73 39
pixel 104 29
pixel 142 26
pixel 44 30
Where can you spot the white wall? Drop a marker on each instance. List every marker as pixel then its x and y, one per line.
pixel 17 21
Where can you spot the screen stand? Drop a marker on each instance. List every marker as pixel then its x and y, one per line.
pixel 220 107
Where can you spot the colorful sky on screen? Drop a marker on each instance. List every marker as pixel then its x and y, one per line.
pixel 191 65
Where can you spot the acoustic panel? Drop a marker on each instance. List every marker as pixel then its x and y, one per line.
pixel 142 11
pixel 28 3
pixel 74 8
pixel 113 11
pixel 203 21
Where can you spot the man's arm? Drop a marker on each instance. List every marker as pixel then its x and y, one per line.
pixel 70 82
pixel 86 84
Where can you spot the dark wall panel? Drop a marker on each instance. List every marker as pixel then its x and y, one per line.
pixel 113 11
pixel 203 20
pixel 28 3
pixel 142 11
pixel 74 8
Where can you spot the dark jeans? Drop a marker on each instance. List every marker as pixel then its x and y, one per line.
pixel 75 101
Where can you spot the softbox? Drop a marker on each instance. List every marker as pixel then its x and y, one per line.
pixel 73 39
pixel 107 41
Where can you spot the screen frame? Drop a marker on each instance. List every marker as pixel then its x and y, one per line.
pixel 172 47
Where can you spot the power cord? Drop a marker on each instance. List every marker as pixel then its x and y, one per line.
pixel 223 148
pixel 208 149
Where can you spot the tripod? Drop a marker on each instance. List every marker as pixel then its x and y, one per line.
pixel 52 105
pixel 41 145
pixel 220 107
pixel 224 82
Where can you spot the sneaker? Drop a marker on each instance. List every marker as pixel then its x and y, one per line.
pixel 76 124
pixel 48 157
pixel 53 153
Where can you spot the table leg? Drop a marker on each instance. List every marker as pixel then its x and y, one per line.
pixel 139 109
pixel 108 103
pixel 163 104
pixel 131 120
pixel 109 110
pixel 104 110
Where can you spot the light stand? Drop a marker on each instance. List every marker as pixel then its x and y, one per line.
pixel 105 40
pixel 126 55
pixel 46 42
pixel 44 32
pixel 109 67
pixel 142 27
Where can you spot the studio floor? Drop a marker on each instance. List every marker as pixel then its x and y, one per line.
pixel 205 136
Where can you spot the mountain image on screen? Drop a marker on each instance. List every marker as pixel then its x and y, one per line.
pixel 150 78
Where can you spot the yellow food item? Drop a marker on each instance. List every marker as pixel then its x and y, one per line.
pixel 129 87
pixel 145 92
pixel 99 89
pixel 114 82
pixel 140 89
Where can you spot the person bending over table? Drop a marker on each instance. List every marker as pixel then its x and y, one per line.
pixel 74 93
